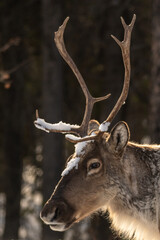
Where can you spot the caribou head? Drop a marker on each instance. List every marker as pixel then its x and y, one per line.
pixel 89 180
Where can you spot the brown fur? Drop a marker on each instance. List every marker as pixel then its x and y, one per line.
pixel 126 184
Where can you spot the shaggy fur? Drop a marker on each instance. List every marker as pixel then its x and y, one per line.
pixel 116 175
pixel 135 209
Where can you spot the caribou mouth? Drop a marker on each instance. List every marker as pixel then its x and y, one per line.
pixel 61 227
pixel 58 227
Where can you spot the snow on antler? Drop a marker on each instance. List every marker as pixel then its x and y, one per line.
pixel 104 126
pixel 49 127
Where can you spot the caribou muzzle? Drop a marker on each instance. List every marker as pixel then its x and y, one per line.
pixel 57 214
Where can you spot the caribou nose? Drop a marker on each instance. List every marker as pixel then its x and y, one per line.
pixel 53 211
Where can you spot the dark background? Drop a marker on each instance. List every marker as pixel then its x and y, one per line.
pixel 34 76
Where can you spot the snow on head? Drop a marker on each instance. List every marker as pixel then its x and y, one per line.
pixel 73 163
pixel 80 147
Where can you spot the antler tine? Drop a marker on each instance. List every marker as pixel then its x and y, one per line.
pixel 125 48
pixel 37 114
pixel 63 52
pixel 90 101
pixel 82 130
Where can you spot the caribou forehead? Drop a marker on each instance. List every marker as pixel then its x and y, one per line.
pixel 81 149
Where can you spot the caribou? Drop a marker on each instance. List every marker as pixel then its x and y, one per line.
pixel 107 172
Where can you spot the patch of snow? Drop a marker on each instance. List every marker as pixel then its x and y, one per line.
pixel 72 137
pixel 73 163
pixel 79 151
pixel 93 134
pixel 75 138
pixel 104 126
pixel 79 148
pixel 61 126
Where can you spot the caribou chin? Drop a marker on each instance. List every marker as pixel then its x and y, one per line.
pixel 60 227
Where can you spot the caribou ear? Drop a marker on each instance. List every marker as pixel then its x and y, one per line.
pixel 119 137
pixel 93 126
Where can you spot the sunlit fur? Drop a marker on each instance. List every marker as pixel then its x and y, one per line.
pixel 135 213
pixel 127 185
pixel 132 227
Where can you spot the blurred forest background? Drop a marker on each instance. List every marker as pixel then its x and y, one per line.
pixel 34 76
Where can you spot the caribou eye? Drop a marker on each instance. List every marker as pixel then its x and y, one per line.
pixel 93 166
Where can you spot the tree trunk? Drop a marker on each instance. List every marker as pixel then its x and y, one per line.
pixel 155 93
pixel 13 156
pixel 52 104
pixel 13 102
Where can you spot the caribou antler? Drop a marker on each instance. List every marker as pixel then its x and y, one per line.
pixel 81 130
pixel 90 101
pixel 125 48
